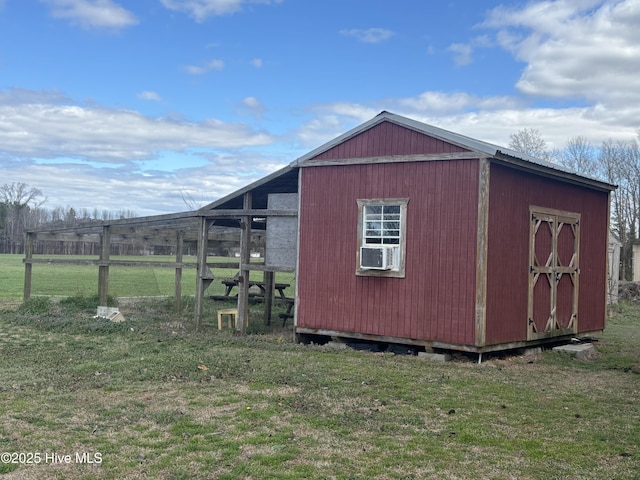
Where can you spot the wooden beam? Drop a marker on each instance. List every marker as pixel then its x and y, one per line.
pixel 268 279
pixel 111 263
pixel 434 344
pixel 395 159
pixel 245 259
pixel 265 268
pixel 103 268
pixel 203 271
pixel 28 255
pixel 175 220
pixel 251 212
pixel 143 235
pixel 482 244
pixel 229 265
pixel 177 305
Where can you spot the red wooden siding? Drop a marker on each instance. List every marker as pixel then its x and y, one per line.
pixel 388 139
pixel 436 300
pixel 511 193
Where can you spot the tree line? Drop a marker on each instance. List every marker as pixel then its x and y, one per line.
pixel 614 161
pixel 21 208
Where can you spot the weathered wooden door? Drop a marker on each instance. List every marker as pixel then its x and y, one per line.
pixel 554 271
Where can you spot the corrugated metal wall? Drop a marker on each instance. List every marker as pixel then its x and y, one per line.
pixel 511 193
pixel 436 299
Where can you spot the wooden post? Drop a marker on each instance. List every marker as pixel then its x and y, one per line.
pixel 103 265
pixel 245 259
pixel 28 266
pixel 202 269
pixel 268 278
pixel 178 287
pixel 482 243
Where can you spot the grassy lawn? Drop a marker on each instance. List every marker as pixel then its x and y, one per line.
pixel 152 398
pixel 71 280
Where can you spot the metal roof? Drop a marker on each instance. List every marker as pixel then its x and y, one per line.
pixel 486 149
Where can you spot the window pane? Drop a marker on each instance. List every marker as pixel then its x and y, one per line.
pixel 389 209
pixel 373 209
pixel 382 224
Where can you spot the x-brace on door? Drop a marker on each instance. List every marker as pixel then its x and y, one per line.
pixel 554 269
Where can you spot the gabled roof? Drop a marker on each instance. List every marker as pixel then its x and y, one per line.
pixel 285 180
pixel 480 148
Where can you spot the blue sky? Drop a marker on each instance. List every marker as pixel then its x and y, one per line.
pixel 114 104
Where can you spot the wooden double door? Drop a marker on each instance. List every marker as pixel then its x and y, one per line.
pixel 554 269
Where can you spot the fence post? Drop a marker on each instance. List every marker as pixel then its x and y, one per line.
pixel 103 265
pixel 178 287
pixel 204 276
pixel 245 259
pixel 28 265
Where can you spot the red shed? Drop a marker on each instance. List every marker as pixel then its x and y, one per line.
pixel 413 234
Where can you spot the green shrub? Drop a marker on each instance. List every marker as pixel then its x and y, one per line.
pixel 36 306
pixel 80 303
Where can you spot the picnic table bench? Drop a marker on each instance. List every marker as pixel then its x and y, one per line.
pixel 231 283
pixel 290 302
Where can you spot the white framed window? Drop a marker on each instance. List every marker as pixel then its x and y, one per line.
pixel 381 237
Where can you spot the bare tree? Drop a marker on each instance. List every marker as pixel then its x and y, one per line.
pixel 579 155
pixel 191 202
pixel 530 142
pixel 620 164
pixel 17 200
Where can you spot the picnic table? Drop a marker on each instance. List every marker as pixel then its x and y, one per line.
pixel 231 283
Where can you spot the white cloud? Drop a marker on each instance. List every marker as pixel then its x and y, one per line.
pixel 148 95
pixel 491 118
pixel 557 125
pixel 370 35
pixel 586 49
pixel 215 64
pixel 332 120
pixel 253 106
pixel 93 14
pixel 257 62
pixel 461 53
pixel 200 10
pixel 59 129
pixel 113 159
pixel 114 189
pixel 449 103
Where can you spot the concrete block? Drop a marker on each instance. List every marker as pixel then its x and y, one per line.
pixel 112 313
pixel 581 351
pixel 434 357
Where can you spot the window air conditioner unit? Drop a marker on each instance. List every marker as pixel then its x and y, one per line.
pixel 378 258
